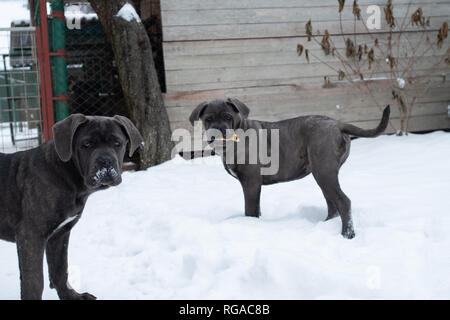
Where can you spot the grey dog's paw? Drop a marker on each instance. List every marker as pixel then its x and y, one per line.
pixel 87 296
pixel 349 233
pixel 73 295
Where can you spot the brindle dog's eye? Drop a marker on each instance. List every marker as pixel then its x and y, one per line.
pixel 87 144
pixel 226 116
pixel 208 119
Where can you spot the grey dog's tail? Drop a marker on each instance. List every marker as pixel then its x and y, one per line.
pixel 355 131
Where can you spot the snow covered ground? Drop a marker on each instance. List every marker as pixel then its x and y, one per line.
pixel 178 231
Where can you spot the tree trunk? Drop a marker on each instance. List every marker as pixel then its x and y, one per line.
pixel 134 60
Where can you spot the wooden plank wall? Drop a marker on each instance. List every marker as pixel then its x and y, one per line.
pixel 247 49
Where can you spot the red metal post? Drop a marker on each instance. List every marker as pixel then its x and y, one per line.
pixel 46 81
pixel 40 52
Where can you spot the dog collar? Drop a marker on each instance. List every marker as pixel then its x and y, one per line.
pixel 234 138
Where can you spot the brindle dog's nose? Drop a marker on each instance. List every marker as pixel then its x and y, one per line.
pixel 105 162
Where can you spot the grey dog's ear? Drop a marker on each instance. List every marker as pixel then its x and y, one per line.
pixel 133 134
pixel 63 132
pixel 197 113
pixel 239 106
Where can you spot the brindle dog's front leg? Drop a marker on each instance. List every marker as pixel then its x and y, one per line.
pixel 251 185
pixel 30 249
pixel 57 266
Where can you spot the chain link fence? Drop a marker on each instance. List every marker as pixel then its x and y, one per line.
pixel 20 104
pixel 150 12
pixel 93 81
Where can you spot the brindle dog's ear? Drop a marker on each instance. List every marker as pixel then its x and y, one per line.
pixel 239 106
pixel 197 113
pixel 133 134
pixel 63 133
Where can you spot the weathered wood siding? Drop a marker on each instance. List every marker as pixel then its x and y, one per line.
pixel 247 49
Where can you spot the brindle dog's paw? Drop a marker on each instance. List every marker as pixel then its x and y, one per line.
pixel 87 296
pixel 349 233
pixel 73 295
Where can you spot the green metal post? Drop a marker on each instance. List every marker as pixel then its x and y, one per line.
pixel 60 64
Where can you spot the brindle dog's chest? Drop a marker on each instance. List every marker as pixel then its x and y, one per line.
pixel 70 213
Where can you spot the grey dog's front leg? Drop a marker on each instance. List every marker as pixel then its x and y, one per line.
pixel 56 252
pixel 252 194
pixel 30 249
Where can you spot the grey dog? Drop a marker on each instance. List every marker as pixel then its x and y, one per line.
pixel 308 144
pixel 44 191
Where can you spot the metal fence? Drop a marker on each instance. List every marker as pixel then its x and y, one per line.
pixel 150 12
pixel 20 104
pixel 93 81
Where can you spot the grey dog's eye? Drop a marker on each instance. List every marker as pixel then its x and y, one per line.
pixel 117 143
pixel 208 119
pixel 87 144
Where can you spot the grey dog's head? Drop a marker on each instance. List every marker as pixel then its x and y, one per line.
pixel 96 145
pixel 220 117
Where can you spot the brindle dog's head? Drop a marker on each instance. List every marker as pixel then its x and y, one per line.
pixel 220 117
pixel 96 145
